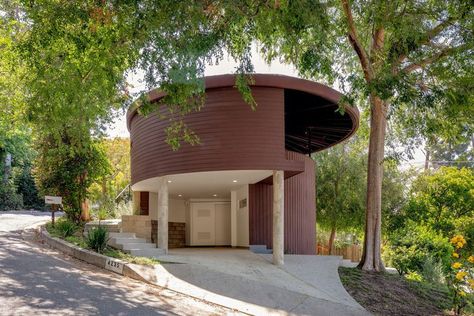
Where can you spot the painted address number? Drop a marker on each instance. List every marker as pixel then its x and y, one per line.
pixel 113 265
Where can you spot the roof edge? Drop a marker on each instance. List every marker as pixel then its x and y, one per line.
pixel 262 80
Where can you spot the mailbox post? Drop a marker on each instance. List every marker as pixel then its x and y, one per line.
pixel 55 202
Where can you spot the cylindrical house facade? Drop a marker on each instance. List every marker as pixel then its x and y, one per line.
pixel 220 191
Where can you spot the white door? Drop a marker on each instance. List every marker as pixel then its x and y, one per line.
pixel 223 230
pixel 203 224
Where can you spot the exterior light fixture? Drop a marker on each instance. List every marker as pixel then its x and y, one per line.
pixel 169 181
pixel 214 195
pixel 235 181
pixel 180 195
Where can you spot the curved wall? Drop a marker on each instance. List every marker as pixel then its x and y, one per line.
pixel 300 210
pixel 232 137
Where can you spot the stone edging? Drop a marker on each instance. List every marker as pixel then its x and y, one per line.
pixel 134 271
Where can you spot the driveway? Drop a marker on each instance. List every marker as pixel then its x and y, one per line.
pixel 18 220
pixel 240 279
pixel 35 280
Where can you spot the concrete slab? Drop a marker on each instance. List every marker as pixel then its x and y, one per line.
pixel 240 279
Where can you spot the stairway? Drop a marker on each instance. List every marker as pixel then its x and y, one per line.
pixel 129 243
pixel 112 226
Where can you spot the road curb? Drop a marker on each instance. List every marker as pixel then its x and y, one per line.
pixel 137 272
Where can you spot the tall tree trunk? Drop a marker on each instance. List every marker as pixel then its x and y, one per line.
pixel 371 256
pixel 331 240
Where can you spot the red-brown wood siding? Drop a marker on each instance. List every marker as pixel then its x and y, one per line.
pixel 300 210
pixel 144 203
pixel 232 137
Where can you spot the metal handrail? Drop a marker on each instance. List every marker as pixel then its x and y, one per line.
pixel 127 187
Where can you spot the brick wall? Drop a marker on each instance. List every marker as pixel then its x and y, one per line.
pixel 176 234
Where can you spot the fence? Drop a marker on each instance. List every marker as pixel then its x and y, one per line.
pixel 352 252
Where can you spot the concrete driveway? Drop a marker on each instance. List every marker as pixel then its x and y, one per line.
pixel 35 280
pixel 240 279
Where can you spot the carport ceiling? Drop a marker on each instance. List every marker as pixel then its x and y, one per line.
pixel 203 185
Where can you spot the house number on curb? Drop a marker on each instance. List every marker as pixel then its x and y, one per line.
pixel 113 265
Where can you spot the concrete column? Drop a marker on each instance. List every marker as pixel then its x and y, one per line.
pixel 233 218
pixel 278 217
pixel 163 214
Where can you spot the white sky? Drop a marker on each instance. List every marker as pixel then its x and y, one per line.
pixel 227 66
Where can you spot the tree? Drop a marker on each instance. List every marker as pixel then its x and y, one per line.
pixel 403 56
pixel 442 200
pixel 340 188
pixel 440 204
pixel 108 186
pixel 68 169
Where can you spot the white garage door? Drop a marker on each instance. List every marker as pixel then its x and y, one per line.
pixel 210 224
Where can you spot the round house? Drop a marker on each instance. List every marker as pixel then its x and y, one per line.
pixel 250 182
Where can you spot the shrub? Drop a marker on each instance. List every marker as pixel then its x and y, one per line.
pixel 97 239
pixel 102 214
pixel 410 247
pixel 9 199
pixel 65 228
pixel 414 276
pixel 432 271
pixel 26 187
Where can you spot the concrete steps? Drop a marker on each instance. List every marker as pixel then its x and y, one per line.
pixel 129 243
pixel 112 226
pixel 123 235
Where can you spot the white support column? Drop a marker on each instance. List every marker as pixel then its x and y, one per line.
pixel 233 218
pixel 163 214
pixel 278 217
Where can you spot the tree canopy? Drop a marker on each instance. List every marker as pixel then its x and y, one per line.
pixel 407 60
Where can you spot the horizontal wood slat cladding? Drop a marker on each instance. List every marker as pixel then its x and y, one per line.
pixel 232 137
pixel 300 210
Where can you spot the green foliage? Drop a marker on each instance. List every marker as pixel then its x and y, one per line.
pixel 9 199
pixel 114 253
pixel 409 247
pixel 443 200
pixel 78 241
pixel 65 228
pixel 102 214
pixel 26 187
pixel 341 181
pixel 97 239
pixel 12 74
pixel 414 276
pixel 104 190
pixel 432 271
pixel 67 168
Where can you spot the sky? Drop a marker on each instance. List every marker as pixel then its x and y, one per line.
pixel 227 66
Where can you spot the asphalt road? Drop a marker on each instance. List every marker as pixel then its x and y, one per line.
pixel 35 280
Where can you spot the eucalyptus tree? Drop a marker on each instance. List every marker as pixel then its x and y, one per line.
pixel 401 56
